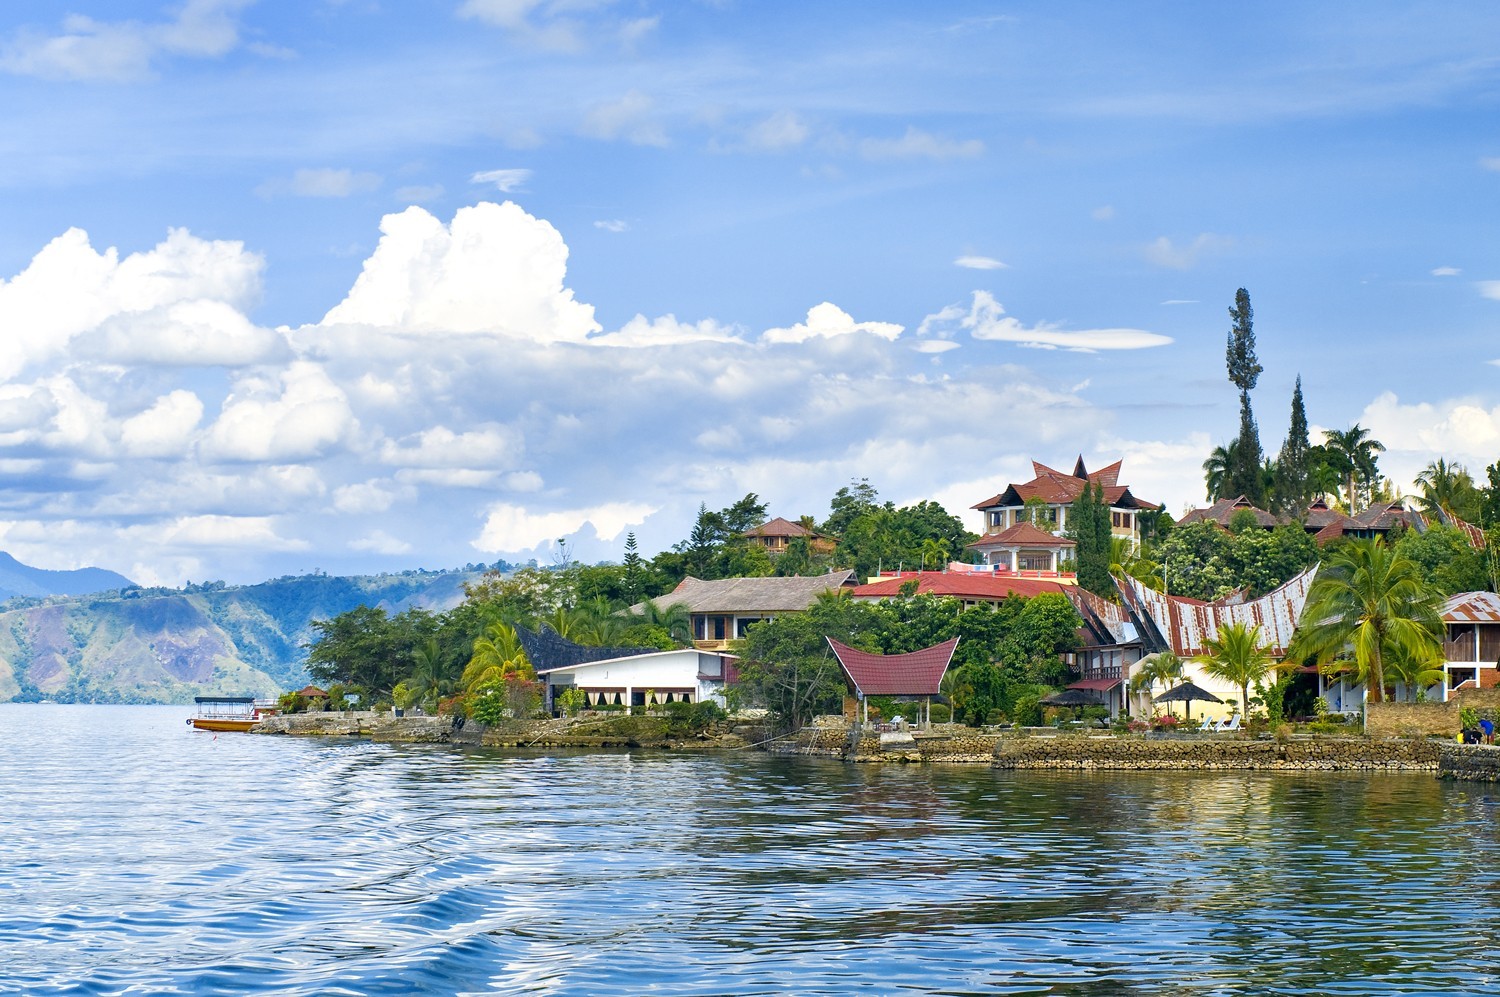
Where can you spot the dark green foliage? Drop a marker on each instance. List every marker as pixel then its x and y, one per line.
pixel 1244 476
pixel 633 570
pixel 849 503
pixel 788 667
pixel 1292 493
pixel 1089 528
pixel 1202 561
pixel 1489 506
pixel 1448 561
pixel 911 537
pixel 367 648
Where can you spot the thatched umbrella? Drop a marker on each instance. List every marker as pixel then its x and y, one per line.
pixel 1186 693
pixel 1072 697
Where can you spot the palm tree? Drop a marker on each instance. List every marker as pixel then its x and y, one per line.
pixel 1445 488
pixel 1164 667
pixel 1352 452
pixel 1236 655
pixel 1125 558
pixel 498 655
pixel 1414 674
pixel 431 680
pixel 936 549
pixel 1218 470
pixel 598 622
pixel 674 618
pixel 1323 476
pixel 1368 598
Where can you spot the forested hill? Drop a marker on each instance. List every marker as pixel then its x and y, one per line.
pixel 137 645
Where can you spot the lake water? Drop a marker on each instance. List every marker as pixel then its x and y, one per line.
pixel 139 856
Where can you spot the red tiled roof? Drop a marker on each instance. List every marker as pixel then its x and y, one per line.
pixel 965 585
pixel 1023 534
pixel 1096 685
pixel 1056 488
pixel 918 673
pixel 311 692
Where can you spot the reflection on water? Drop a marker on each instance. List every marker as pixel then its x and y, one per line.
pixel 145 857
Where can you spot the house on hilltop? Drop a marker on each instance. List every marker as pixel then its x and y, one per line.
pixel 1049 493
pixel 777 534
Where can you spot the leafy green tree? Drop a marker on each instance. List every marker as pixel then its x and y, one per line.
pixel 1089 528
pixel 787 666
pixel 1291 494
pixel 1369 599
pixel 1236 654
pixel 849 503
pixel 1446 558
pixel 365 647
pixel 1244 371
pixel 796 559
pixel 1489 506
pixel 1196 561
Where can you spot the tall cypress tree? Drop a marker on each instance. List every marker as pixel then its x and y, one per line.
pixel 1244 370
pixel 1293 464
pixel 1089 528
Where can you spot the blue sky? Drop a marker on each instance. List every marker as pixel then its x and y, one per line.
pixel 358 286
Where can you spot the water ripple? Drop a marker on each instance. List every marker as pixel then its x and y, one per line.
pixel 142 857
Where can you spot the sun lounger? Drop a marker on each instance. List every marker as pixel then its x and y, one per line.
pixel 1233 724
pixel 1208 726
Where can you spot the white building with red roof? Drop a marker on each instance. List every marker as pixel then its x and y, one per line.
pixel 1049 494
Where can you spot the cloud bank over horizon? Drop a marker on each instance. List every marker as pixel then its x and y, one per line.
pixel 461 403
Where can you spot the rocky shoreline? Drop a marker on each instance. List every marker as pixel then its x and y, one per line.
pixel 946 744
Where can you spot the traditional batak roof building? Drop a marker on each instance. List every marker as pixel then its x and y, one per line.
pixel 1327 524
pixel 1050 493
pixel 917 673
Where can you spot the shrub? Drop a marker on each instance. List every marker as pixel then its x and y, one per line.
pixel 572 700
pixel 941 713
pixel 1028 711
pixel 489 709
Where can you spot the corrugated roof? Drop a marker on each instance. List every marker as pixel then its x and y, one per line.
pixel 751 595
pixel 1184 624
pixel 918 673
pixel 1472 607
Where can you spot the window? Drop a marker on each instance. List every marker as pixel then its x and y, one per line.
pixel 997 518
pixel 1121 519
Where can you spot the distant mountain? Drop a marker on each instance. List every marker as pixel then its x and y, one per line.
pixel 17 579
pixel 136 645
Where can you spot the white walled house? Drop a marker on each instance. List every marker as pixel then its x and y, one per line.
pixel 684 675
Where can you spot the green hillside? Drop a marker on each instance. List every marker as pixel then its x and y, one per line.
pixel 136 645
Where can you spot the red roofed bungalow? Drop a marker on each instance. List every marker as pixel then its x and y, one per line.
pixel 918 673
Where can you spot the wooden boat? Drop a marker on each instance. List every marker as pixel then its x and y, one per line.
pixel 218 713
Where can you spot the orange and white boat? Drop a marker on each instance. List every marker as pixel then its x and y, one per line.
pixel 229 712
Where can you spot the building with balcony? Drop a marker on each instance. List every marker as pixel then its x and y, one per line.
pixel 1043 503
pixel 722 610
pixel 1471 642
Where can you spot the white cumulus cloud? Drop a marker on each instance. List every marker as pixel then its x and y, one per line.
pixel 495 269
pixel 69 289
pixel 826 321
pixel 666 331
pixel 979 263
pixel 1163 252
pixel 297 415
pixel 166 428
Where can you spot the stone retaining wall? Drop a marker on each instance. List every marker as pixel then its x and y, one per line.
pixel 1428 719
pixel 1106 752
pixel 1469 762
